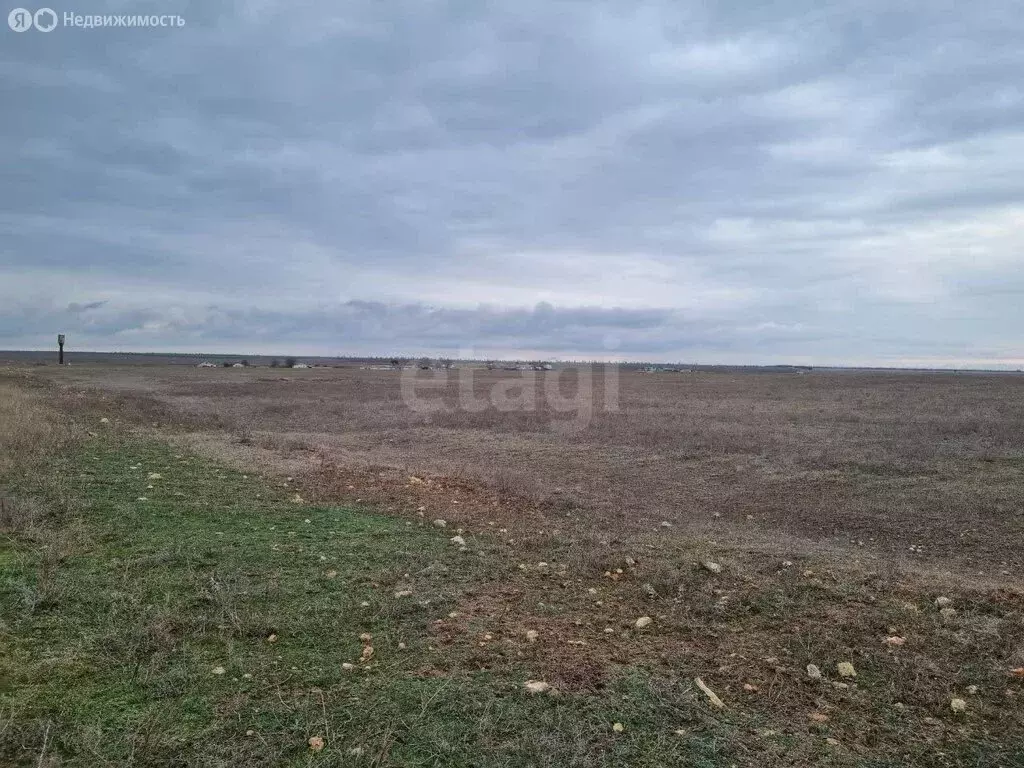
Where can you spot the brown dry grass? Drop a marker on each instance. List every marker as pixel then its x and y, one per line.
pixel 874 463
pixel 31 433
pixel 36 499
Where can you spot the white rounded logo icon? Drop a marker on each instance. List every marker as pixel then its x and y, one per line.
pixel 20 20
pixel 45 19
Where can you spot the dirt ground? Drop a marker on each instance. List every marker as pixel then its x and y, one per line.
pixel 924 469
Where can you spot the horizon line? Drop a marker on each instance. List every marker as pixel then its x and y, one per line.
pixel 652 362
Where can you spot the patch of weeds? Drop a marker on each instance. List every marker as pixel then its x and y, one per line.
pixel 202 617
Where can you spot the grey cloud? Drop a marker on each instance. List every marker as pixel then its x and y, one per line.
pixel 76 307
pixel 790 181
pixel 377 328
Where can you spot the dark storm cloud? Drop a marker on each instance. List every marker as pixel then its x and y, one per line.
pixel 787 182
pixel 76 307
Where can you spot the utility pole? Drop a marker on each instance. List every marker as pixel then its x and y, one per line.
pixel 60 344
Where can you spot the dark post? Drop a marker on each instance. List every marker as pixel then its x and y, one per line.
pixel 60 343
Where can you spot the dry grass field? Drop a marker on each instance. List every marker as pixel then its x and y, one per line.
pixel 731 528
pixel 877 463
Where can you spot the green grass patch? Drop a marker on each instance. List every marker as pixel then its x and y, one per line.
pixel 189 615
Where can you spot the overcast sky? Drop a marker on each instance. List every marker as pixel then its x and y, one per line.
pixel 795 182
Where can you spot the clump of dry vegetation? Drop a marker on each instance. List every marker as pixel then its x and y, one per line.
pixel 31 433
pixel 30 430
pixel 37 501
